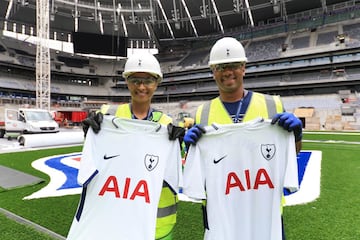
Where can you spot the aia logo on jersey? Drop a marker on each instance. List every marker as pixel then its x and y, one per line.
pixel 151 162
pixel 268 151
pixel 262 178
pixel 113 185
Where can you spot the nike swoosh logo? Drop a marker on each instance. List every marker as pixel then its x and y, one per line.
pixel 218 160
pixel 108 157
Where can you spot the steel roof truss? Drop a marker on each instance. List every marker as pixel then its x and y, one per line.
pixel 8 10
pixel 217 16
pixel 166 19
pixel 190 17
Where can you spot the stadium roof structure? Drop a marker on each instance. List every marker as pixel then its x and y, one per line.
pixel 158 20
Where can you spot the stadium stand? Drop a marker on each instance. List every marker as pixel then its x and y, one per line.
pixel 326 38
pixel 196 57
pixel 264 50
pixel 352 32
pixel 300 42
pixel 307 60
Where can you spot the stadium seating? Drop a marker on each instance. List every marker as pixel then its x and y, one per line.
pixel 264 50
pixel 299 62
pixel 326 38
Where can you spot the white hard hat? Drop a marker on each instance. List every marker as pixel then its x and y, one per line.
pixel 144 62
pixel 227 50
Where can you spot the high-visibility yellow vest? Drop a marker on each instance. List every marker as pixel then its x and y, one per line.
pixel 123 110
pixel 166 215
pixel 261 105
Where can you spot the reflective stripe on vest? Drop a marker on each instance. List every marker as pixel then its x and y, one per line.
pixel 166 215
pixel 261 105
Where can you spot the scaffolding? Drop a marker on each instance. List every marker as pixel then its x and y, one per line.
pixel 42 55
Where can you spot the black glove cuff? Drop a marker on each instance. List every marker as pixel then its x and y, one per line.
pixel 175 132
pixel 298 135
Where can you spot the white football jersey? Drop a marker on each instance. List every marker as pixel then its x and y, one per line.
pixel 122 170
pixel 241 169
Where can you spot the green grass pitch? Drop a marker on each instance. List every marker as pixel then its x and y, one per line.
pixel 334 215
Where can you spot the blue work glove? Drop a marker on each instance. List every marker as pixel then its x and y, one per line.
pixel 290 123
pixel 94 121
pixel 194 134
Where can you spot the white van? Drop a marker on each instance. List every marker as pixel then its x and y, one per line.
pixel 29 120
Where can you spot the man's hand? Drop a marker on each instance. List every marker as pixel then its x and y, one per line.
pixel 175 132
pixel 94 121
pixel 194 134
pixel 290 123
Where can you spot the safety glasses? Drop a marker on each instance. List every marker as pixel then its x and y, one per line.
pixel 149 82
pixel 229 66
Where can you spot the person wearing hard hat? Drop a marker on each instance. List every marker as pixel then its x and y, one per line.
pixel 235 104
pixel 143 74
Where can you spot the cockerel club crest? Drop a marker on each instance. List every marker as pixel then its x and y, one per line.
pixel 151 161
pixel 268 151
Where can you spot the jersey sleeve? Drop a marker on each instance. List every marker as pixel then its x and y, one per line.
pixel 173 171
pixel 291 172
pixel 194 174
pixel 87 163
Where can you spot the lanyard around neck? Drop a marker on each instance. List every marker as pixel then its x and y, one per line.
pixel 238 115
